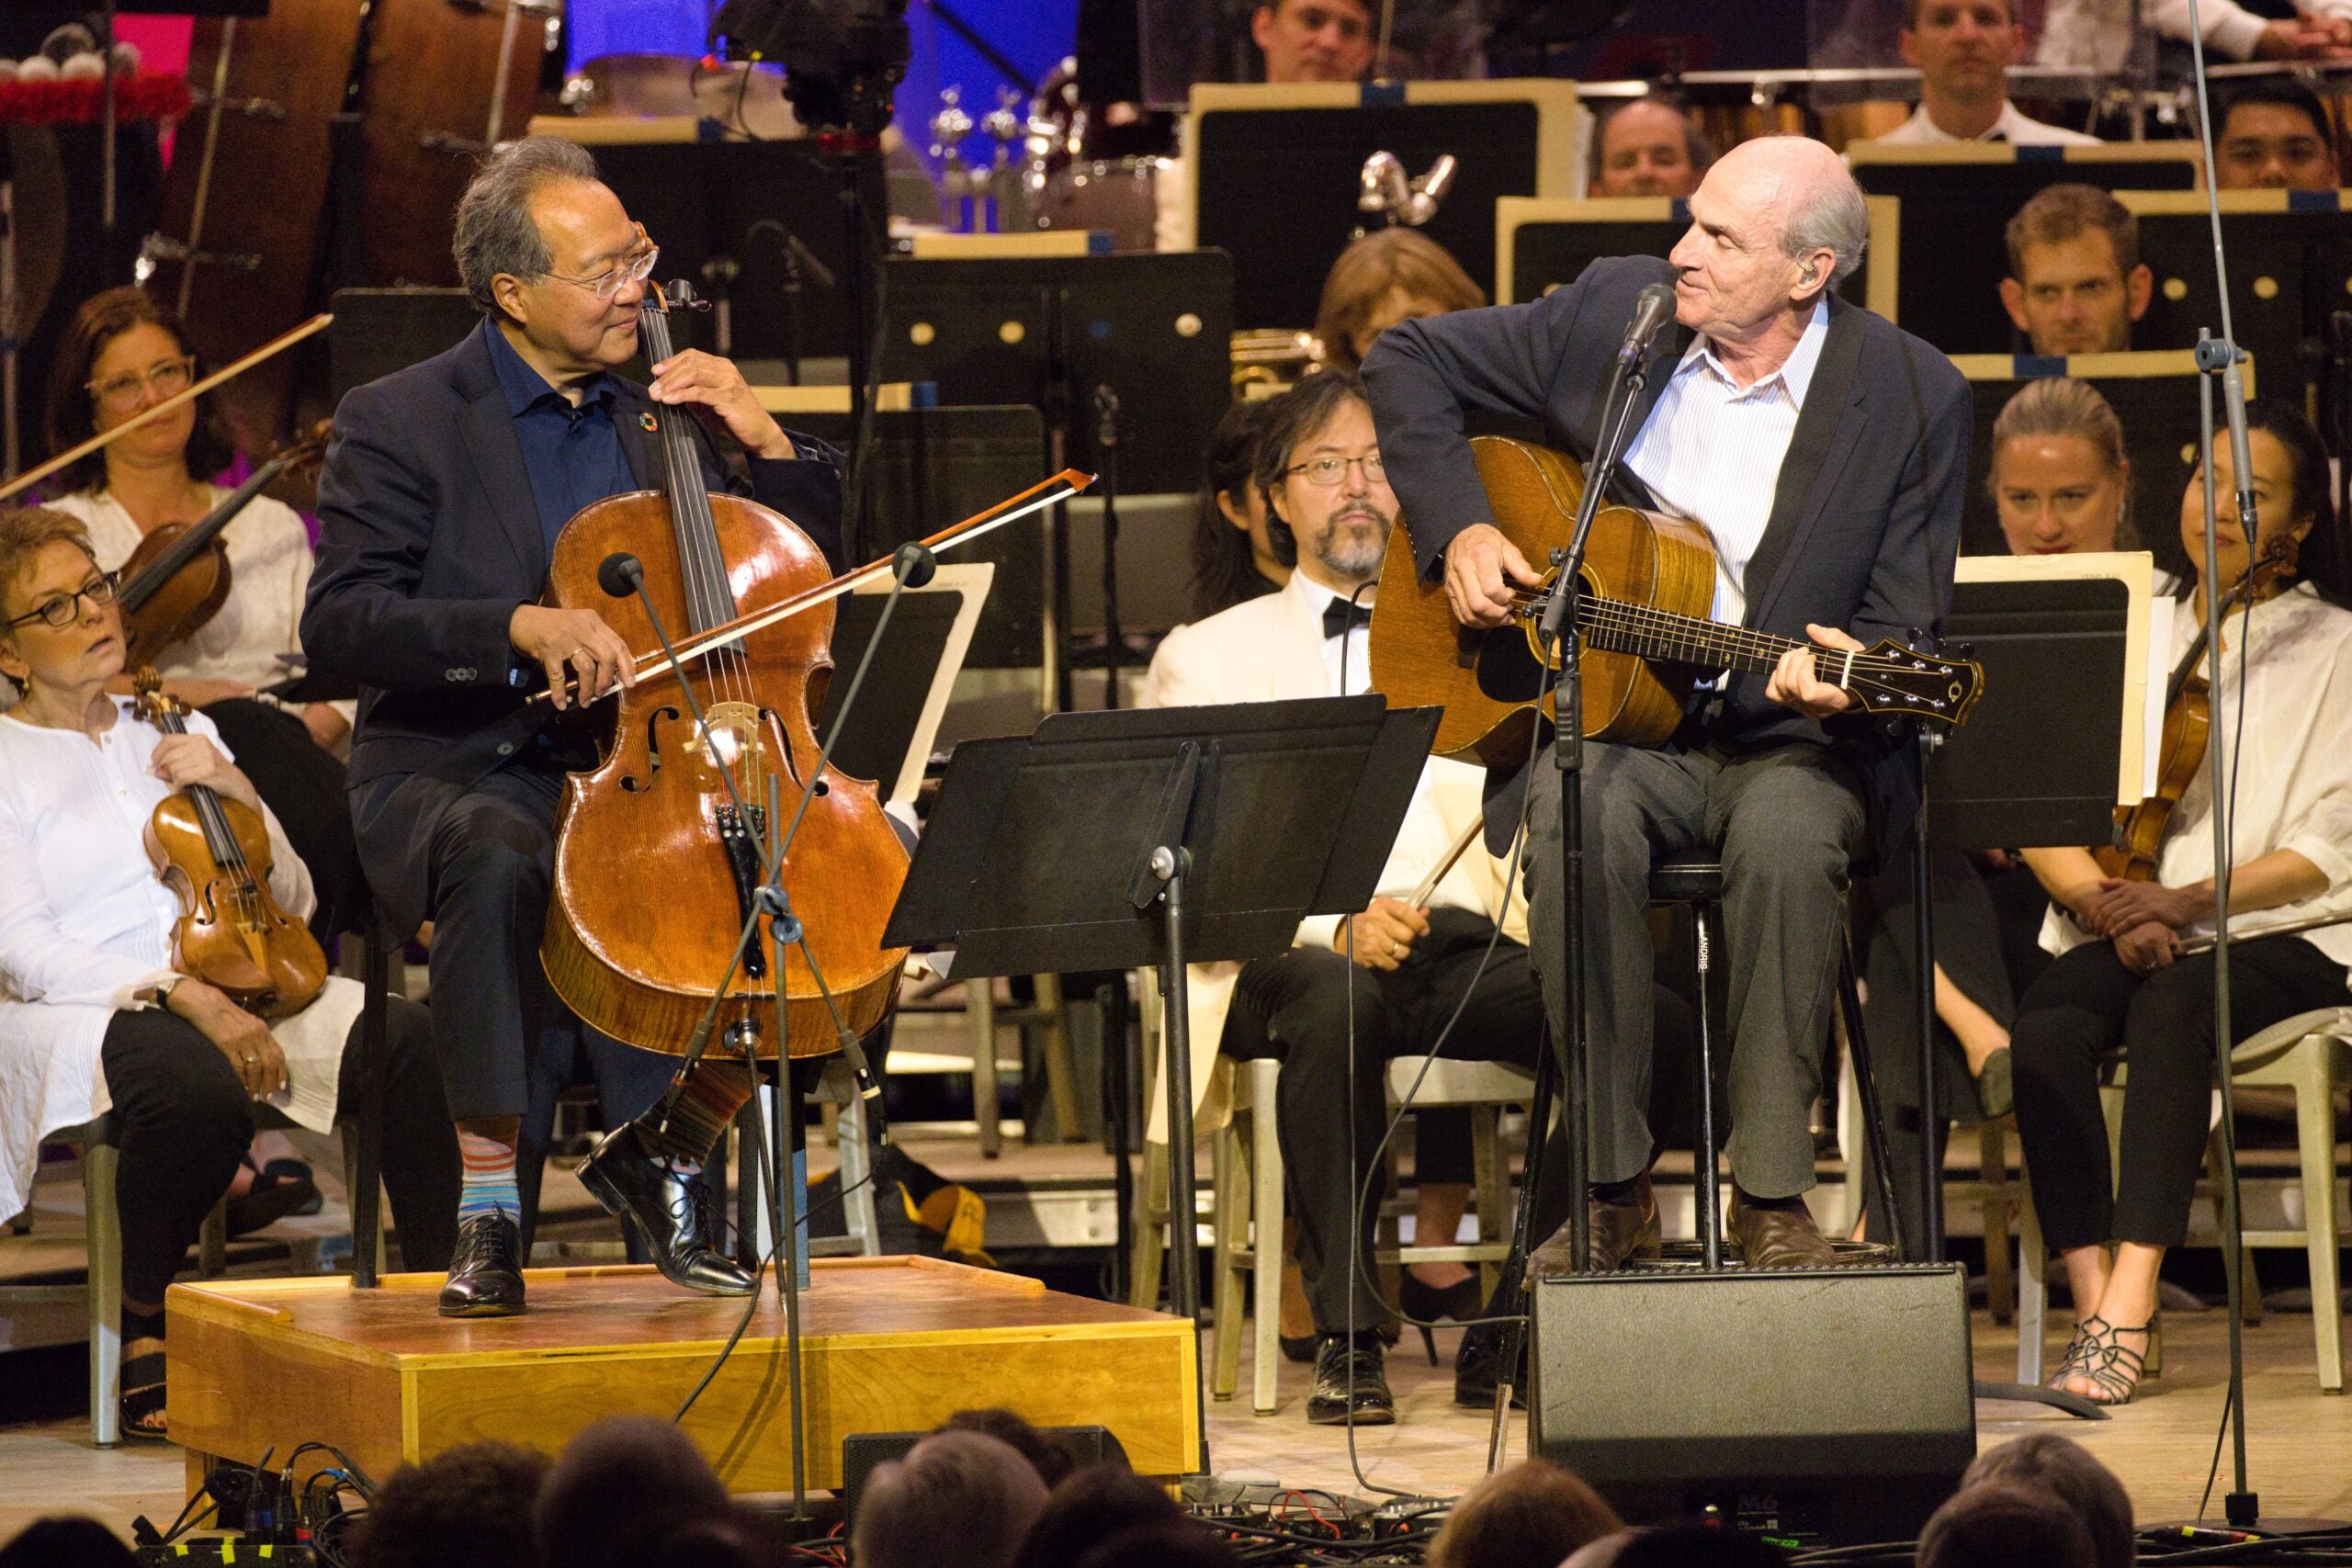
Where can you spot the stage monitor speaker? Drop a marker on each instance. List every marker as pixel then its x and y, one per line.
pixel 1813 1406
pixel 379 330
pixel 861 1452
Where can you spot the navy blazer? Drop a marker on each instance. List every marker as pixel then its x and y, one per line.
pixel 1865 520
pixel 428 539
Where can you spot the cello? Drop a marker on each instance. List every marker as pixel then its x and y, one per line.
pixel 656 869
pixel 214 853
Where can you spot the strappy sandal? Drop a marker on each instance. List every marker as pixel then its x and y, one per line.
pixel 142 1404
pixel 2100 1358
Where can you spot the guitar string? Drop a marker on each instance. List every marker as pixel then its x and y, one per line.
pixel 1615 614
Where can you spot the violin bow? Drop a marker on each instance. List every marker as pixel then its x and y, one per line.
pixel 1036 498
pixel 30 477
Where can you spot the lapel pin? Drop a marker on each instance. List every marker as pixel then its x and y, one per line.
pixel 651 424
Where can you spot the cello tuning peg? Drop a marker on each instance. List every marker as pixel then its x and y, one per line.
pixel 683 295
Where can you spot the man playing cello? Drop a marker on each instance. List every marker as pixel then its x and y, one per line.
pixel 440 505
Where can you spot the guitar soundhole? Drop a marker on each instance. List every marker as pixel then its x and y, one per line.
pixel 1508 669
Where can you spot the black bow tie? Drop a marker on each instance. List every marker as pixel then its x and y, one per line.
pixel 1342 615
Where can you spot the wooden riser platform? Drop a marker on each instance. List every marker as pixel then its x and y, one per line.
pixel 890 1344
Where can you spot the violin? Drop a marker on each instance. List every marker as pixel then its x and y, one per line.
pixel 214 853
pixel 2189 721
pixel 178 578
pixel 656 866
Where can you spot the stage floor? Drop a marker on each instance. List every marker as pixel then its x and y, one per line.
pixel 2160 1445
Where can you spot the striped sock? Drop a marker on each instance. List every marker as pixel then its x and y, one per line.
pixel 715 1092
pixel 487 1181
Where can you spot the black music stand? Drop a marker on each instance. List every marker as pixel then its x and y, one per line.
pixel 1161 837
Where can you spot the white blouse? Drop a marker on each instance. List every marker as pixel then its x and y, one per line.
pixel 2294 776
pixel 85 926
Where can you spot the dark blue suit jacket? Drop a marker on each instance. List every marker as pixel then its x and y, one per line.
pixel 1865 519
pixel 428 538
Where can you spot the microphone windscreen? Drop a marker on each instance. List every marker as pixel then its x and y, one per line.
pixel 914 565
pixel 619 573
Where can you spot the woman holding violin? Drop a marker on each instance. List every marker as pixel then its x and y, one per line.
pixel 2121 978
pixel 100 1002
pixel 123 353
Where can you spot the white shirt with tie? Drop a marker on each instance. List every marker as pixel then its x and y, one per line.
pixel 1710 450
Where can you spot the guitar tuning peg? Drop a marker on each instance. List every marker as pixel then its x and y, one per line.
pixel 1968 650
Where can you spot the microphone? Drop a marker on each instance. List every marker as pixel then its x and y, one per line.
pixel 620 574
pixel 1652 311
pixel 914 566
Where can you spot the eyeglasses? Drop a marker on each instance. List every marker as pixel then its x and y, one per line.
pixel 1324 472
pixel 635 266
pixel 169 377
pixel 60 610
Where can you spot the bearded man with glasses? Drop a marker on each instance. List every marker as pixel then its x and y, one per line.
pixel 438 508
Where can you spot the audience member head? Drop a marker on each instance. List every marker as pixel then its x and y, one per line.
pixel 1180 1545
pixel 1313 40
pixel 465 1507
pixel 1530 1515
pixel 1047 1454
pixel 1963 50
pixel 65 1542
pixel 1648 146
pixel 1695 1546
pixel 547 250
pixel 623 1480
pixel 2004 1526
pixel 736 1539
pixel 1089 1509
pixel 124 352
pixel 957 1500
pixel 60 626
pixel 2274 136
pixel 1318 463
pixel 2075 282
pixel 1389 275
pixel 2292 499
pixel 1777 223
pixel 1237 553
pixel 2064 1468
pixel 2059 478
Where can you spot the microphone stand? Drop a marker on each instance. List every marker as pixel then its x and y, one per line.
pixel 913 567
pixel 1558 632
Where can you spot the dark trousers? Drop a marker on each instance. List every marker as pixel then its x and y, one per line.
pixel 1295 1006
pixel 507 1046
pixel 184 1121
pixel 2086 1005
pixel 304 787
pixel 1788 819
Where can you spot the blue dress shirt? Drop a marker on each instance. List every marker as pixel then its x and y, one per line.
pixel 573 454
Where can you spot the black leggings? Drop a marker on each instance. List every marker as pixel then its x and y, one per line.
pixel 184 1121
pixel 2086 1005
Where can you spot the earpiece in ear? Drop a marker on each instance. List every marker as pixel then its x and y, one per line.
pixel 1811 274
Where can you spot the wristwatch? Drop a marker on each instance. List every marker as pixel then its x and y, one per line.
pixel 164 990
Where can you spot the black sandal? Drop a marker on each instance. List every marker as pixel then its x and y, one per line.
pixel 141 1406
pixel 2101 1360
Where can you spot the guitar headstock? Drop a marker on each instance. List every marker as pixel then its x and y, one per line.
pixel 1889 679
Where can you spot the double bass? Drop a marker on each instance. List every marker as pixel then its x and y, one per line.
pixel 656 867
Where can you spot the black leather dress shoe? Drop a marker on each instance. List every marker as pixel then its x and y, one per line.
pixel 1351 1375
pixel 665 1210
pixel 486 1270
pixel 1477 1368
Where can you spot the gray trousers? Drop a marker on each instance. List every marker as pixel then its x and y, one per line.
pixel 1787 819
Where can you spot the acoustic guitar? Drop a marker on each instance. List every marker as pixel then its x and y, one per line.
pixel 1648 581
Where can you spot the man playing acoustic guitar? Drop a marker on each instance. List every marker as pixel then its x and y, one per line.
pixel 1824 452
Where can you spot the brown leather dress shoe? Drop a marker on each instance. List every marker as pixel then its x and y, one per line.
pixel 1777 1235
pixel 1621 1231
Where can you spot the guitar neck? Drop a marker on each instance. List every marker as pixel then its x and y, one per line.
pixel 1619 626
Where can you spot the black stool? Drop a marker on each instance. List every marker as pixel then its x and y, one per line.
pixel 1697 880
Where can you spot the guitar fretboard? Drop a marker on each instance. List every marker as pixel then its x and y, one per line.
pixel 1647 633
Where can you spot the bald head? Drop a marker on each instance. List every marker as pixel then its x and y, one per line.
pixel 1812 198
pixel 1777 223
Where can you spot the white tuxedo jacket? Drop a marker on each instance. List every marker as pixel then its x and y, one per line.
pixel 1270 649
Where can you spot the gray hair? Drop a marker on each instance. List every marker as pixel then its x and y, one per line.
pixel 1832 217
pixel 496 230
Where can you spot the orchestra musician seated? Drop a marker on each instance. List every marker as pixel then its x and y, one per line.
pixel 1648 146
pixel 1313 40
pixel 123 353
pixel 1349 995
pixel 2075 281
pixel 2275 136
pixel 2121 979
pixel 96 1017
pixel 1240 549
pixel 1389 275
pixel 2061 485
pixel 1963 50
pixel 442 497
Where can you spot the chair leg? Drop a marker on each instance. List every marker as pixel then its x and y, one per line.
pixel 2315 1139
pixel 1062 1077
pixel 1151 1229
pixel 102 1227
pixel 2033 1281
pixel 364 1134
pixel 1491 1170
pixel 1993 1180
pixel 1706 1200
pixel 1229 1215
pixel 858 1217
pixel 980 1005
pixel 1265 1237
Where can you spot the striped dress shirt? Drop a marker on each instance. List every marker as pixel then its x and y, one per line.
pixel 1711 451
